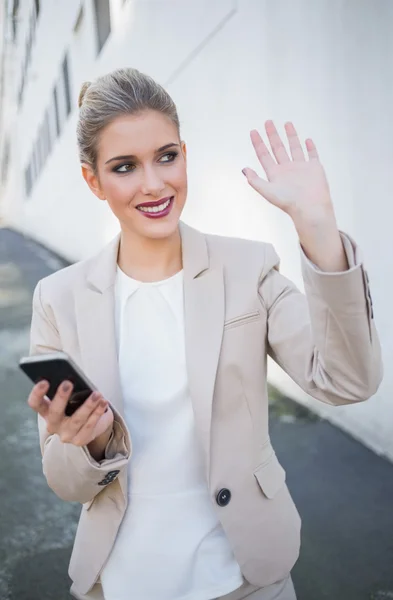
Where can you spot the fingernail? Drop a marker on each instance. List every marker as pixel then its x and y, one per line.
pixel 42 384
pixel 244 172
pixel 66 386
pixel 95 396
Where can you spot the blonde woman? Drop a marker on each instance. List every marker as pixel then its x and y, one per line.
pixel 183 496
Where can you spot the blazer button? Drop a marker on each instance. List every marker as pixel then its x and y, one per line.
pixel 223 497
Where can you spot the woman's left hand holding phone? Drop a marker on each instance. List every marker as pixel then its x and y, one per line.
pixel 90 425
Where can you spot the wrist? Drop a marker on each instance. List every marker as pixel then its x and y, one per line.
pixel 322 244
pixel 319 218
pixel 97 446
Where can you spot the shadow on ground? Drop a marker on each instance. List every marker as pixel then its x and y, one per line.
pixel 343 491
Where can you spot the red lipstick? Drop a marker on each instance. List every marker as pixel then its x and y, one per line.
pixel 147 208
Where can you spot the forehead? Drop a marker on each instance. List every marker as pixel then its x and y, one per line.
pixel 139 135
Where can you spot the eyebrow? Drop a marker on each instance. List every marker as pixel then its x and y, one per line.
pixel 133 157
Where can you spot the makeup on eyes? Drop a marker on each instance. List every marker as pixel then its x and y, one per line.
pixel 172 156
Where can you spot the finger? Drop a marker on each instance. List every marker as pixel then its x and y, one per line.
pixel 77 421
pixel 58 405
pixel 37 399
pixel 276 143
pixel 312 150
pixel 82 414
pixel 85 434
pixel 260 185
pixel 262 152
pixel 294 143
pixel 72 426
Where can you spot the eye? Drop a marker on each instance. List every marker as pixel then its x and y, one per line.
pixel 130 167
pixel 126 168
pixel 170 156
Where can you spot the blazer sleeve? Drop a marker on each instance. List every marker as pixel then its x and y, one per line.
pixel 325 340
pixel 71 472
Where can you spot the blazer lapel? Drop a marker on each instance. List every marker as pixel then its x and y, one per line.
pixel 95 309
pixel 204 308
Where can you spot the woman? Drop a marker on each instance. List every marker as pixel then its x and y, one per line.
pixel 183 496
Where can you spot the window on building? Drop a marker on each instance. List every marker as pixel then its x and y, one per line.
pixel 33 167
pixel 79 20
pixel 41 145
pixel 36 161
pixel 61 102
pixel 66 81
pixel 45 137
pixel 5 161
pixel 103 22
pixel 28 180
pixel 52 124
pixel 15 17
pixel 56 111
pixel 50 129
pixel 29 44
pixel 39 157
pixel 20 94
pixel 63 95
pixel 37 8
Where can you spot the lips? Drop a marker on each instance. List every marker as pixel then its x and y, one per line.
pixel 158 209
pixel 152 204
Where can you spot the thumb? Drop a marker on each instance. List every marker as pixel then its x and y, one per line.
pixel 260 185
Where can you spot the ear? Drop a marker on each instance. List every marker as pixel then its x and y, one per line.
pixel 92 181
pixel 184 149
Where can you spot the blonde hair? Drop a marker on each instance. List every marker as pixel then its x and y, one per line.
pixel 124 91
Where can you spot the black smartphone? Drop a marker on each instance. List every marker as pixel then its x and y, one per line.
pixel 55 368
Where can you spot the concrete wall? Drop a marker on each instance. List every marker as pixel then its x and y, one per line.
pixel 230 65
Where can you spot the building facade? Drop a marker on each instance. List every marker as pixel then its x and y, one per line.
pixel 229 65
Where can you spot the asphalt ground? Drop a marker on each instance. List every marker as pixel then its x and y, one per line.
pixel 343 491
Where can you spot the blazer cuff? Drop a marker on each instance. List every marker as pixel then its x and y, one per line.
pixel 118 446
pixel 344 290
pixel 352 253
pixel 76 462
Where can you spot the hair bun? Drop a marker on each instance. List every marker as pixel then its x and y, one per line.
pixel 82 93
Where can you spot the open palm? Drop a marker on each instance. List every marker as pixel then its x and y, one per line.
pixel 295 185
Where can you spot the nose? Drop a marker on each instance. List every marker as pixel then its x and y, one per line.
pixel 152 183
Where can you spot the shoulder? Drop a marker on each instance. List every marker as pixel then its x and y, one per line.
pixel 97 271
pixel 242 255
pixel 63 282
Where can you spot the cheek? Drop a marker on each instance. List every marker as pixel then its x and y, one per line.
pixel 120 188
pixel 180 179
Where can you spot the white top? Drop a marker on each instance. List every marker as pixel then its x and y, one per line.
pixel 171 545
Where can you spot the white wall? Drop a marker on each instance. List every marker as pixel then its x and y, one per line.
pixel 230 65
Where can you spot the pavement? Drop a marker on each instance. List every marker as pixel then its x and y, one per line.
pixel 343 491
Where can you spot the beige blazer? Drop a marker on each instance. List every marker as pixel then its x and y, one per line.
pixel 238 309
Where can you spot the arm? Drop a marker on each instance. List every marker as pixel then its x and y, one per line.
pixel 71 471
pixel 325 340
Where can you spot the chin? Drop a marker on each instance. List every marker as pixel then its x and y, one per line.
pixel 159 229
pixel 160 233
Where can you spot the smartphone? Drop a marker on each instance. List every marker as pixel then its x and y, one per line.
pixel 55 367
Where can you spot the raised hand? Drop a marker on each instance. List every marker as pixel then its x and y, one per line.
pixel 295 185
pixel 299 187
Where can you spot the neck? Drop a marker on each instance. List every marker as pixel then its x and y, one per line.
pixel 149 259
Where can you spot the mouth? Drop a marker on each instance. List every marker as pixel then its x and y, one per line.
pixel 155 210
